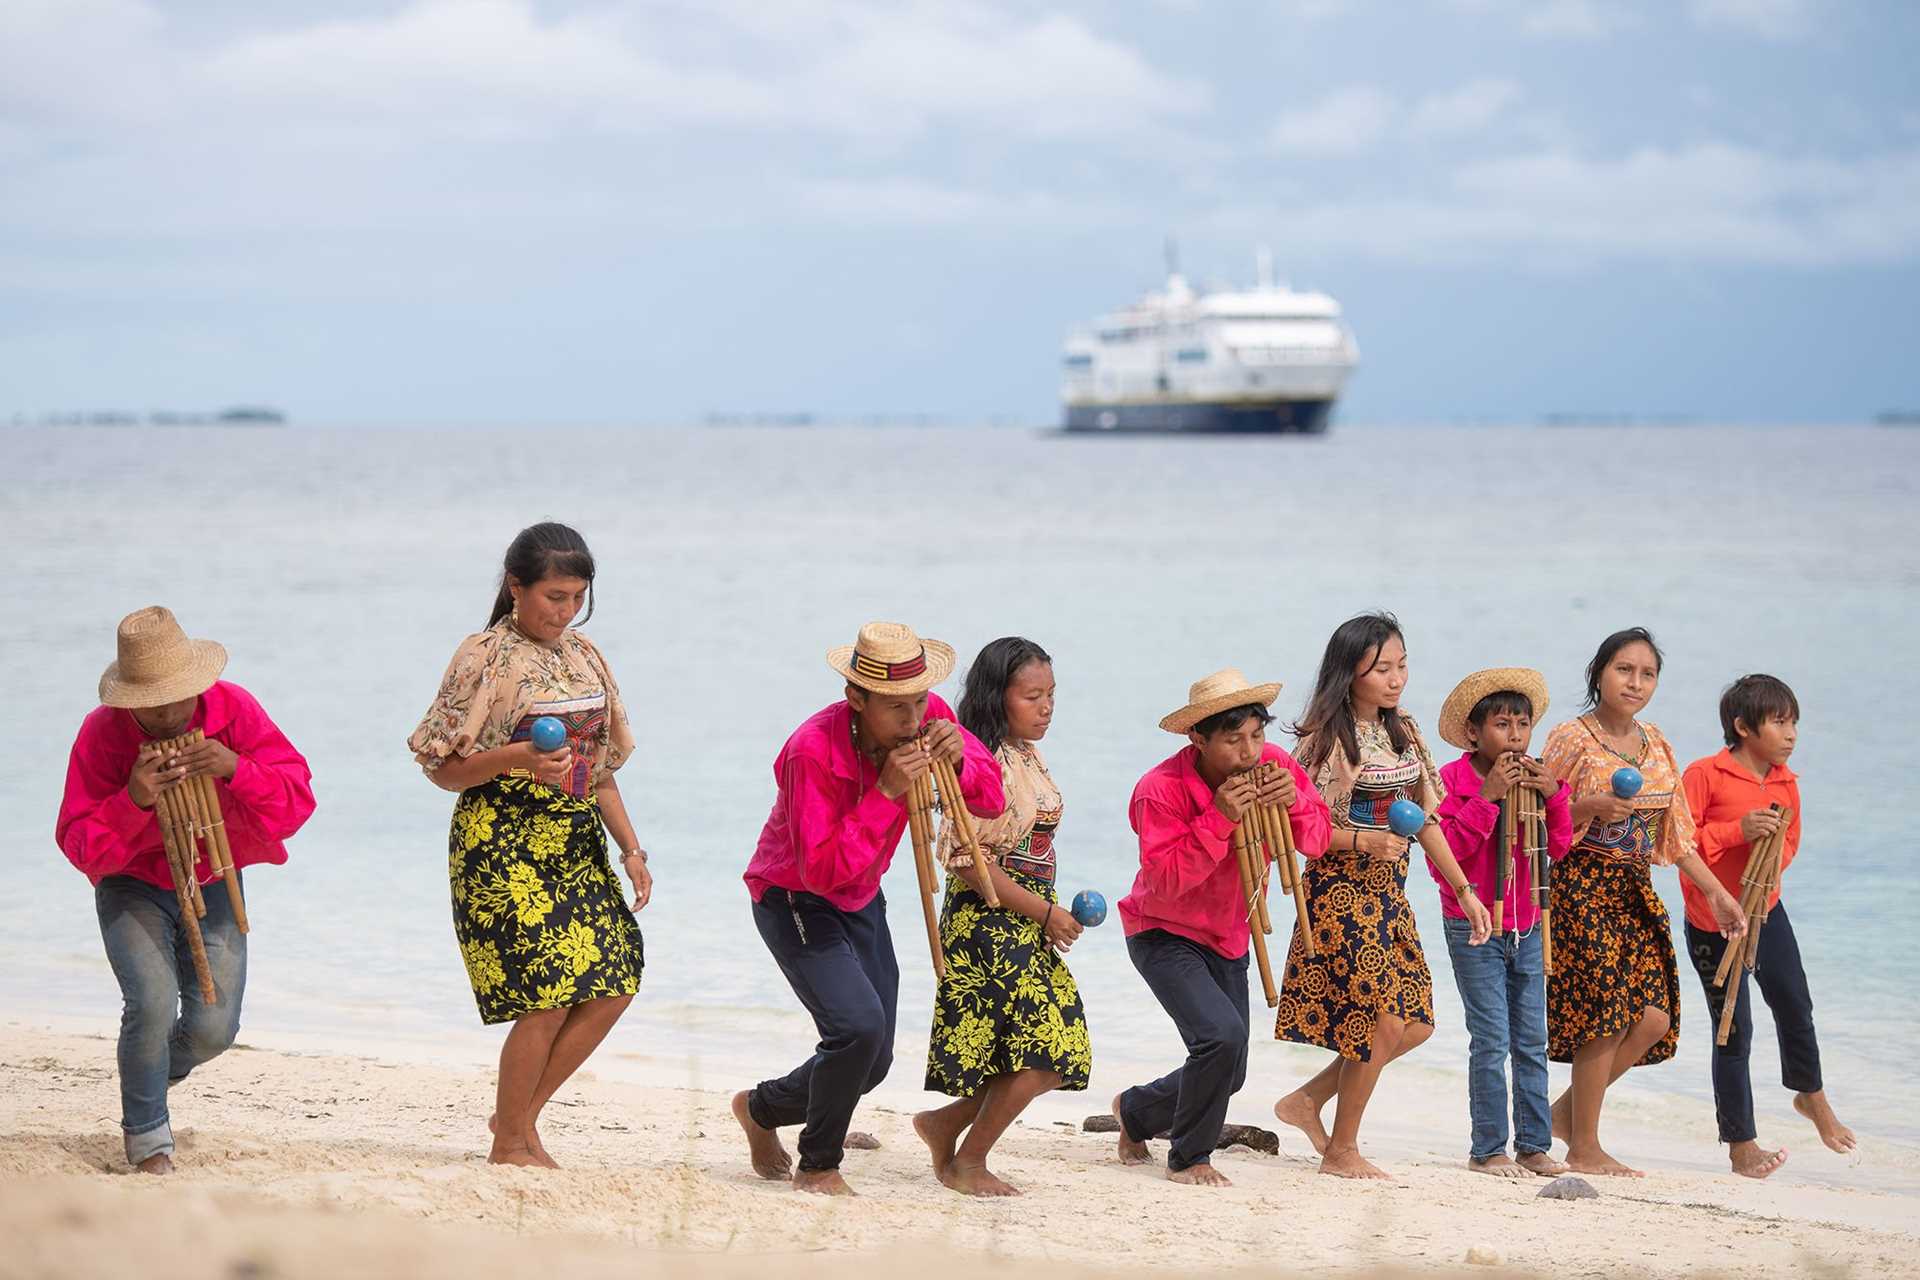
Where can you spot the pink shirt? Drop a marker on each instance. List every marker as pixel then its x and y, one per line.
pixel 1471 824
pixel 832 831
pixel 1189 880
pixel 104 833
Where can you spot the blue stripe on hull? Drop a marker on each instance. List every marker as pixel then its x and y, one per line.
pixel 1303 417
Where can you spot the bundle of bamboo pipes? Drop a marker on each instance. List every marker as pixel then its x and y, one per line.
pixel 1523 825
pixel 1758 883
pixel 921 802
pixel 189 814
pixel 1265 834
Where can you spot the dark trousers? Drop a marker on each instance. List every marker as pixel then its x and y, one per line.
pixel 1783 982
pixel 1206 996
pixel 841 965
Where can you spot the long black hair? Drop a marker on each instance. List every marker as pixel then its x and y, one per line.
pixel 983 703
pixel 1328 717
pixel 1604 655
pixel 544 550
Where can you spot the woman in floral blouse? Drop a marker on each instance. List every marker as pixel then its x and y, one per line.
pixel 1007 1020
pixel 548 940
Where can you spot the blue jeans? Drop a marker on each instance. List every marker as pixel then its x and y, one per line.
pixel 166 1030
pixel 1503 986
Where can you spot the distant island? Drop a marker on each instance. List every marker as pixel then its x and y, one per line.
pixel 235 415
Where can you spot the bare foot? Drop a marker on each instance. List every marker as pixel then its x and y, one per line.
pixel 1131 1152
pixel 1298 1110
pixel 538 1148
pixel 1814 1106
pixel 1751 1160
pixel 821 1182
pixel 515 1153
pixel 1347 1162
pixel 158 1163
pixel 1595 1161
pixel 941 1136
pixel 1543 1164
pixel 1497 1166
pixel 975 1179
pixel 770 1159
pixel 1199 1175
pixel 1563 1116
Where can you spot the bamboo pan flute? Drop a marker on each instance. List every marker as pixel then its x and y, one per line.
pixel 1758 883
pixel 921 801
pixel 1523 836
pixel 1265 833
pixel 190 822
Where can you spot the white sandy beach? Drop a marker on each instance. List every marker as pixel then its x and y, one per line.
pixel 297 1164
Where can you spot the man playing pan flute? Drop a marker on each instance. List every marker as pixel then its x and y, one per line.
pixel 843 778
pixel 162 686
pixel 1186 919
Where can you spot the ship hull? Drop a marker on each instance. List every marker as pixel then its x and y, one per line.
pixel 1270 417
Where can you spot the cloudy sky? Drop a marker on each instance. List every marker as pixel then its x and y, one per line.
pixel 594 211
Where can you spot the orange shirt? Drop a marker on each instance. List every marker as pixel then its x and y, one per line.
pixel 1721 791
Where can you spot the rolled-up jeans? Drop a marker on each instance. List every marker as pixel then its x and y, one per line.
pixel 1503 991
pixel 166 1029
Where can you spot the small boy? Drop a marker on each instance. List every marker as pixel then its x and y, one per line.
pixel 162 686
pixel 1186 919
pixel 1503 984
pixel 1731 795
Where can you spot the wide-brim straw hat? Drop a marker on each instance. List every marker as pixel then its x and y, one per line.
pixel 1466 694
pixel 1221 691
pixel 889 658
pixel 157 663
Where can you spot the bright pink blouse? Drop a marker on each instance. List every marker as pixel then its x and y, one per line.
pixel 1471 825
pixel 1189 880
pixel 832 832
pixel 104 833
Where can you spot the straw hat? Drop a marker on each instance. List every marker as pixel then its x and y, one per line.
pixel 1453 712
pixel 157 663
pixel 1221 691
pixel 889 658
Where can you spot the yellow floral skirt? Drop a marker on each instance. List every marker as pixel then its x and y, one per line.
pixel 1007 1003
pixel 540 919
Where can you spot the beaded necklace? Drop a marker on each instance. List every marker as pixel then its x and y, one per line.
pixel 1613 751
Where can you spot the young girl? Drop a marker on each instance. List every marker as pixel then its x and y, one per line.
pixel 1007 1020
pixel 1503 986
pixel 1368 994
pixel 1613 999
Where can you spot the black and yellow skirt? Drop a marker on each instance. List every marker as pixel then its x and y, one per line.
pixel 1007 1003
pixel 539 916
pixel 1368 963
pixel 1613 956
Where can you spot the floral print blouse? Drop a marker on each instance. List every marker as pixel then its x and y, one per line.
pixel 499 680
pixel 1021 838
pixel 1660 828
pixel 1359 794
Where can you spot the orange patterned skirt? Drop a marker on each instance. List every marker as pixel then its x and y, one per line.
pixel 1369 963
pixel 1612 956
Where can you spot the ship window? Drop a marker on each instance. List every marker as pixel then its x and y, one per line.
pixel 1192 355
pixel 1079 361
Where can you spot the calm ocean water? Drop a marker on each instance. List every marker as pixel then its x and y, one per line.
pixel 342 567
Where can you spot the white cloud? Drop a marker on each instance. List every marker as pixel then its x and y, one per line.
pixel 1556 19
pixel 1345 121
pixel 1471 107
pixel 1769 19
pixel 1714 202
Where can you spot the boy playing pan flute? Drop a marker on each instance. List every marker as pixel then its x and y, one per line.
pixel 1186 918
pixel 843 779
pixel 1732 795
pixel 1503 983
pixel 163 686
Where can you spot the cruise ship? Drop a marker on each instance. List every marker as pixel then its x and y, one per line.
pixel 1265 359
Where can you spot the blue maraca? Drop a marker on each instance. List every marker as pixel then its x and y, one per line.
pixel 548 734
pixel 1405 818
pixel 1627 782
pixel 1089 907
